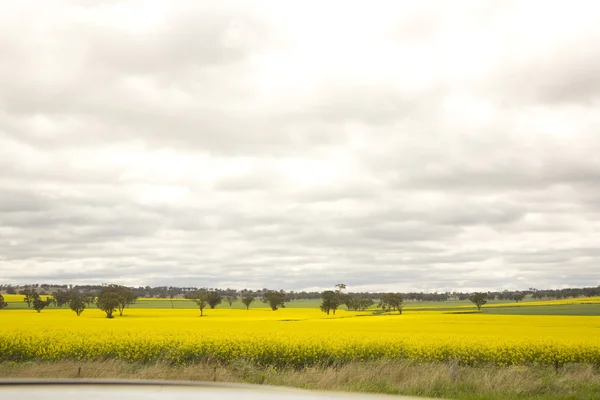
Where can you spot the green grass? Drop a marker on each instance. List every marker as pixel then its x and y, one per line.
pixel 561 309
pixel 447 306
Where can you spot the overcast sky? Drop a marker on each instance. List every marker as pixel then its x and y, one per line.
pixel 387 145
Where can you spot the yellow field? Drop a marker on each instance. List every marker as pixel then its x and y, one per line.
pixel 297 336
pixel 18 298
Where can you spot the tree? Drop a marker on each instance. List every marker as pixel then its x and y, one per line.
pixel 274 299
pixel 108 301
pixel 114 297
pixel 214 298
pixel 60 298
pixel 392 302
pixel 200 297
pixel 172 292
pixel 11 290
pixel 247 299
pixel 357 303
pixel 90 299
pixel 30 296
pixel 77 303
pixel 126 297
pixel 340 287
pixel 330 301
pixel 518 296
pixel 479 299
pixel 39 304
pixel 3 304
pixel 229 300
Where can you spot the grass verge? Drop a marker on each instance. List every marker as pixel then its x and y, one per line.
pixel 445 380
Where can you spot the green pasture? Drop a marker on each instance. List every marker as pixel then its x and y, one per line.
pixel 452 306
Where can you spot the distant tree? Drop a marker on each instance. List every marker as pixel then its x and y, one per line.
pixel 126 297
pixel 479 299
pixel 60 298
pixel 274 299
pixel 30 296
pixel 518 296
pixel 361 304
pixel 3 304
pixel 11 290
pixel 114 297
pixel 330 301
pixel 340 287
pixel 39 304
pixel 90 299
pixel 172 292
pixel 200 297
pixel 229 300
pixel 77 303
pixel 247 299
pixel 108 301
pixel 463 296
pixel 392 302
pixel 355 302
pixel 214 299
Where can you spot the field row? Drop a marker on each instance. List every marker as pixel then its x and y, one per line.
pixel 298 337
pixel 575 306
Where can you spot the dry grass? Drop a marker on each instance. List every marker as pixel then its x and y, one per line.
pixel 397 377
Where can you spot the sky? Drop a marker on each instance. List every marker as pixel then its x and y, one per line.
pixel 393 146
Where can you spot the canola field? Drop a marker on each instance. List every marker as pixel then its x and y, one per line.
pixel 297 337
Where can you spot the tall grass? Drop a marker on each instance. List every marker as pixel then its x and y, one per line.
pixel 446 380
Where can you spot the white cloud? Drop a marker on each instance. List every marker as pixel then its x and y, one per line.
pixel 397 146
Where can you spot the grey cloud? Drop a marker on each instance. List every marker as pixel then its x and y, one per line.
pixel 222 145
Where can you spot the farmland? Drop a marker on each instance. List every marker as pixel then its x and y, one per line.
pixel 300 336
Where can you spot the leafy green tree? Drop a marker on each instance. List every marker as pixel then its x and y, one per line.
pixel 115 297
pixel 39 304
pixel 11 290
pixel 392 302
pixel 126 297
pixel 60 298
pixel 331 300
pixel 30 296
pixel 77 303
pixel 518 296
pixel 214 299
pixel 274 299
pixel 479 299
pixel 361 304
pixel 3 304
pixel 247 299
pixel 90 299
pixel 229 300
pixel 200 297
pixel 350 302
pixel 108 301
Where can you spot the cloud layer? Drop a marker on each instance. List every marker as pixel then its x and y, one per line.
pixel 298 145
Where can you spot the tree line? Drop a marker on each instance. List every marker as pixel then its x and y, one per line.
pixel 290 296
pixel 115 298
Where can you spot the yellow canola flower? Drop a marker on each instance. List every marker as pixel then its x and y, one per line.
pixel 297 337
